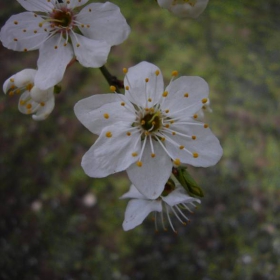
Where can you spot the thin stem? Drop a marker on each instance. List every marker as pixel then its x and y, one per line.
pixel 112 80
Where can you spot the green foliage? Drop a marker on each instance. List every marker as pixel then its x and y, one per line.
pixel 49 229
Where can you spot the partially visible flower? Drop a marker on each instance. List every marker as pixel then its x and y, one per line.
pixel 33 100
pixel 148 129
pixel 184 8
pixel 173 200
pixel 60 32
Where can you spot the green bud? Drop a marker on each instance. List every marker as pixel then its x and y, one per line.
pixel 188 183
pixel 57 89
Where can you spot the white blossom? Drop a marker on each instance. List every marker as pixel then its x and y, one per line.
pixel 171 201
pixel 148 129
pixel 61 32
pixel 33 100
pixel 184 8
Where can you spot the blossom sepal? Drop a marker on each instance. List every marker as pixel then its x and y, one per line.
pixel 188 182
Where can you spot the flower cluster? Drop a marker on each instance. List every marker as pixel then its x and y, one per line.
pixel 151 131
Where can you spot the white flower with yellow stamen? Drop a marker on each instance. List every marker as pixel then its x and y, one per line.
pixel 60 33
pixel 172 201
pixel 148 129
pixel 184 8
pixel 33 100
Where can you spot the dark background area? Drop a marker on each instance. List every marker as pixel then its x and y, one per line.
pixel 56 223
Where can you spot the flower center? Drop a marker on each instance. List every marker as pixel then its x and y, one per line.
pixel 151 122
pixel 62 18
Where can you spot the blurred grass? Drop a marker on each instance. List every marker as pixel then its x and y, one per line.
pixel 48 231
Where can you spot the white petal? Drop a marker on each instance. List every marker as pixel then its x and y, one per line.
pixel 23 33
pixel 111 154
pixel 137 210
pixel 133 193
pixel 39 95
pixel 90 111
pixel 185 10
pixel 206 145
pixel 26 105
pixel 106 23
pixel 90 53
pixel 152 176
pixel 139 89
pixel 52 62
pixel 185 96
pixel 44 111
pixel 179 195
pixel 75 3
pixel 37 5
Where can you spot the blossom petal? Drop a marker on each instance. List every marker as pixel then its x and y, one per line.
pixel 144 83
pixel 103 22
pixel 137 210
pixel 52 62
pixel 44 110
pixel 90 53
pixel 23 33
pixel 152 176
pixel 71 4
pixel 186 10
pixel 36 5
pixel 201 146
pixel 178 196
pixel 101 110
pixel 133 193
pixel 112 152
pixel 185 96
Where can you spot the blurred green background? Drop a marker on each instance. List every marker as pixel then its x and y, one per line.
pixel 56 223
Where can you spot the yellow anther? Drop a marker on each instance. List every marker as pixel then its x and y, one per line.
pixel 12 87
pixel 165 93
pixel 149 99
pixel 11 93
pixel 176 161
pixel 35 31
pixel 205 125
pixel 186 95
pixel 127 87
pixel 167 126
pixel 15 22
pixel 162 139
pixel 28 106
pixel 40 24
pixel 204 107
pixel 122 103
pixel 152 110
pixel 24 30
pixel 12 80
pixel 147 133
pixel 182 147
pixel 125 70
pixel 173 133
pixel 22 102
pixel 147 80
pixel 89 10
pixel 166 111
pixel 113 88
pixel 128 133
pixel 193 137
pixel 153 155
pixel 25 50
pixel 204 100
pixel 157 72
pixel 143 122
pixel 106 116
pixel 15 39
pixel 42 104
pixel 18 91
pixel 77 45
pixel 171 122
pixel 147 109
pixel 29 87
pixel 195 155
pixel 174 73
pixel 108 134
pixel 139 163
pixel 56 47
pixel 195 116
pixel 134 154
